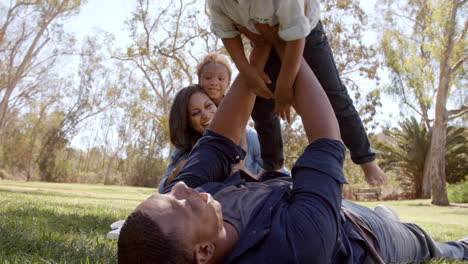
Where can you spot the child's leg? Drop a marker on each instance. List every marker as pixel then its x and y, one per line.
pixel 267 123
pixel 268 128
pixel 318 54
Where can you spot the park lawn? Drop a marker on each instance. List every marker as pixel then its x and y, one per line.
pixel 67 223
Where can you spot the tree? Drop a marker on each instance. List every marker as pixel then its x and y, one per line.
pixel 26 33
pixel 405 153
pixel 164 35
pixel 424 47
pixel 93 93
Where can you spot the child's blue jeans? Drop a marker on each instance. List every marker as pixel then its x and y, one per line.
pixel 318 54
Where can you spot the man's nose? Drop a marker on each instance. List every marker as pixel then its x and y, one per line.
pixel 181 188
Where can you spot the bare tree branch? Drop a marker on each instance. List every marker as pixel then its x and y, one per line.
pixel 456 113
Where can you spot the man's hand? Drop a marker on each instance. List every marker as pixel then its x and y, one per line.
pixel 284 99
pixel 256 80
pixel 290 53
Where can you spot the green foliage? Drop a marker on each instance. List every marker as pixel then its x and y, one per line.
pixel 4 175
pixel 413 41
pixel 405 153
pixel 456 156
pixel 458 192
pixel 146 172
pixel 346 24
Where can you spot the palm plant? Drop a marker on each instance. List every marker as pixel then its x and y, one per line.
pixel 405 152
pixel 456 156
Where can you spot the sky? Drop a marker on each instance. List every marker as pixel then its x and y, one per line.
pixel 107 15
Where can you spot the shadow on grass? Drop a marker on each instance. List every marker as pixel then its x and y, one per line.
pixel 47 234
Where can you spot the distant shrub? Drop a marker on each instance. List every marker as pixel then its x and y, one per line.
pixel 458 192
pixel 5 175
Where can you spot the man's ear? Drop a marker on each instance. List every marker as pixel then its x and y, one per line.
pixel 203 252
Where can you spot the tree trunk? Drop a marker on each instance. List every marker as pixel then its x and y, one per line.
pixel 79 161
pixel 437 166
pixel 438 140
pixel 106 179
pixel 4 106
pixel 426 183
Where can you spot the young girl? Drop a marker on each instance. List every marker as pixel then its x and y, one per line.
pixel 300 28
pixel 214 76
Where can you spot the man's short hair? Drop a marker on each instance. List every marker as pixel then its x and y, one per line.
pixel 141 240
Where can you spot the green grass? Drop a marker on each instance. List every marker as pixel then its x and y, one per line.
pixel 62 223
pixel 67 223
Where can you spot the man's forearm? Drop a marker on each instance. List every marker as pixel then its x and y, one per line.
pixel 291 56
pixel 259 56
pixel 234 112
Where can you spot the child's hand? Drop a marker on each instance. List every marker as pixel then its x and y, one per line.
pixel 257 81
pixel 284 99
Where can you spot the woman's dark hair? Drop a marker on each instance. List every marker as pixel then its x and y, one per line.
pixel 183 136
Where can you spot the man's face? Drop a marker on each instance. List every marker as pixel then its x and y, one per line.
pixel 194 216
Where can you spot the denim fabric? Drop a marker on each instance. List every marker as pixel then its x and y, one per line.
pixel 176 157
pixel 268 128
pixel 405 242
pixel 253 158
pixel 318 54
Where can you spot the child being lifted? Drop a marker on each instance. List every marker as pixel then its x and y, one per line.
pixel 299 26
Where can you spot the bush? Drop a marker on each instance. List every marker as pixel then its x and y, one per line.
pixel 458 192
pixel 5 175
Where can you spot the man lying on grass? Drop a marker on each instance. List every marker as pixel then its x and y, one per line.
pixel 240 220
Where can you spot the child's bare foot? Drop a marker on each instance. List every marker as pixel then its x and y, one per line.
pixel 373 173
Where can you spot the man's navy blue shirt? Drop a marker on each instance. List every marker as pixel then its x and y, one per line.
pixel 298 224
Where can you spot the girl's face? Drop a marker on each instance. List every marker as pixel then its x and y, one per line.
pixel 201 110
pixel 214 79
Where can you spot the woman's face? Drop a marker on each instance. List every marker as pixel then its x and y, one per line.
pixel 214 79
pixel 201 110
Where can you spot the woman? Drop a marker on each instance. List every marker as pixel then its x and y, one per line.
pixel 191 113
